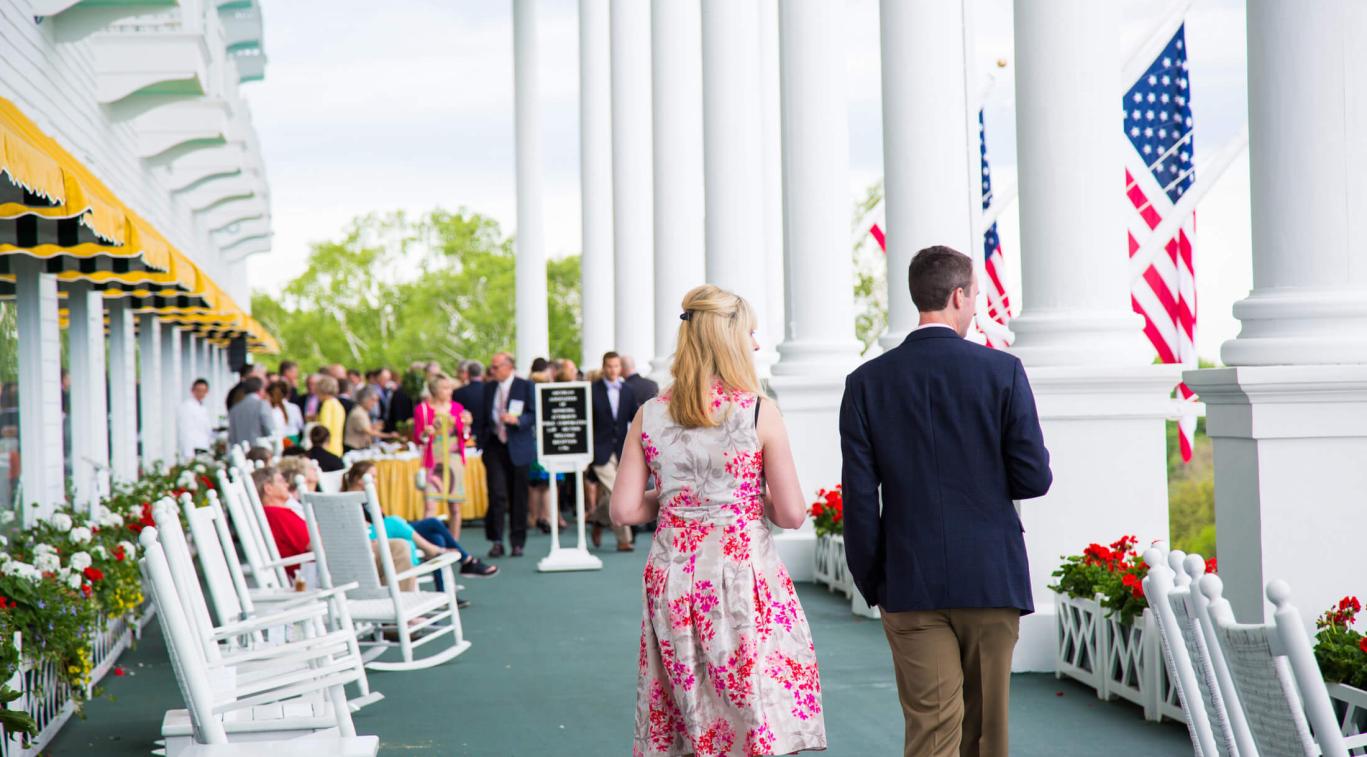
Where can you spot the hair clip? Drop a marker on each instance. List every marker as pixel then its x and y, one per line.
pixel 686 315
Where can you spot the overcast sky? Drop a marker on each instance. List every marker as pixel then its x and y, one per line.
pixel 408 104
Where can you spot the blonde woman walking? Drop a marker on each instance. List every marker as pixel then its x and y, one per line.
pixel 727 665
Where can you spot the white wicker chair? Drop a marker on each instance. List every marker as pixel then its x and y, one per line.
pixel 1274 672
pixel 233 601
pixel 215 688
pixel 1192 609
pixel 341 544
pixel 1203 716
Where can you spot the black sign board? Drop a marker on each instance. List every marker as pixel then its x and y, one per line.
pixel 564 424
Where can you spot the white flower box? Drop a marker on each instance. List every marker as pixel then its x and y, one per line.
pixel 1118 660
pixel 1350 706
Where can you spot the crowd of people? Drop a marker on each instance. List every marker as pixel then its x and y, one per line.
pixel 480 408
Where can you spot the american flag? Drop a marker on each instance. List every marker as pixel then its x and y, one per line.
pixel 996 306
pixel 1158 171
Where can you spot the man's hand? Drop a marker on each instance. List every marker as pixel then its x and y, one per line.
pixel 509 419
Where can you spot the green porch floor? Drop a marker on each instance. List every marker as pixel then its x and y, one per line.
pixel 552 672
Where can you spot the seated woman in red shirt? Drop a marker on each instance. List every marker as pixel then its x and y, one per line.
pixel 290 532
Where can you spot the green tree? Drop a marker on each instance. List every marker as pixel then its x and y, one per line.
pixel 394 289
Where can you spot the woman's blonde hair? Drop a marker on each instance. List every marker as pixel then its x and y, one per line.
pixel 715 343
pixel 326 386
pixel 435 381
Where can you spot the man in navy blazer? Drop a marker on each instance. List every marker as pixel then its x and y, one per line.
pixel 509 445
pixel 614 407
pixel 947 433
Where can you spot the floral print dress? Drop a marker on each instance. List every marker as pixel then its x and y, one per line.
pixel 727 665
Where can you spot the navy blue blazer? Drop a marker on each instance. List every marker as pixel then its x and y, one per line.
pixel 948 431
pixel 609 433
pixel 522 437
pixel 471 397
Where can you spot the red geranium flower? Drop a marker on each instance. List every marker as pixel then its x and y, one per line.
pixel 94 574
pixel 1363 644
pixel 85 589
pixel 119 554
pixel 119 671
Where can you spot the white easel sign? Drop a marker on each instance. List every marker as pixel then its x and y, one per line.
pixel 564 444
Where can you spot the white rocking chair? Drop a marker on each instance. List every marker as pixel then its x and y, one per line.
pixel 308 667
pixel 233 601
pixel 1273 670
pixel 341 544
pixel 1185 661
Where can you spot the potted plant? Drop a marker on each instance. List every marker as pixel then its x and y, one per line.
pixel 1341 651
pixel 828 518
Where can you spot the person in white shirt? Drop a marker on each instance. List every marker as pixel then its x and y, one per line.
pixel 196 432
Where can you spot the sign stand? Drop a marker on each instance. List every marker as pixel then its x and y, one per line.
pixel 564 444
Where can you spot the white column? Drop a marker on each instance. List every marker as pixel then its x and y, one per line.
pixel 1102 403
pixel 676 37
pixel 533 325
pixel 150 390
pixel 123 393
pixel 632 207
pixel 819 346
pixel 930 179
pixel 89 411
pixel 733 159
pixel 40 391
pixel 189 357
pixel 1289 417
pixel 596 272
pixel 771 330
pixel 172 392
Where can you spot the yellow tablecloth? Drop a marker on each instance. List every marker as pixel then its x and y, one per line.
pixel 397 484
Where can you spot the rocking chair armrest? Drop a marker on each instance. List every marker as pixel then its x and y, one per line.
pixel 286 562
pixel 287 600
pixel 429 566
pixel 262 622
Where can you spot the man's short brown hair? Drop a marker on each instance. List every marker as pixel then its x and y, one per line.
pixel 609 355
pixel 935 273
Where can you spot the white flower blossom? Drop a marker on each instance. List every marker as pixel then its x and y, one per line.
pixel 3 541
pixel 111 519
pixel 44 549
pixel 74 581
pixel 47 563
pixel 7 517
pixel 80 561
pixel 80 535
pixel 61 521
pixel 99 552
pixel 129 549
pixel 199 468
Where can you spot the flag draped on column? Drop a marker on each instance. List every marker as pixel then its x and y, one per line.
pixel 1158 170
pixel 994 309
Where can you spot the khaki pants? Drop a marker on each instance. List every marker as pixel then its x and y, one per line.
pixel 602 512
pixel 954 678
pixel 403 560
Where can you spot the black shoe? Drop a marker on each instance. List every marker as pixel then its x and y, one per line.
pixel 497 550
pixel 474 567
pixel 462 603
pixel 544 525
pixel 517 551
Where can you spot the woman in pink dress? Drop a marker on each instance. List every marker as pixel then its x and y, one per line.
pixel 425 415
pixel 726 662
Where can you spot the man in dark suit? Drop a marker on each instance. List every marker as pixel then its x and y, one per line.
pixel 509 445
pixel 644 389
pixel 948 431
pixel 471 394
pixel 614 407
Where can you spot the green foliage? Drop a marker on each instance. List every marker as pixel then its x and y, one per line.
pixel 9 342
pixel 1191 493
pixel 870 273
pixel 395 289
